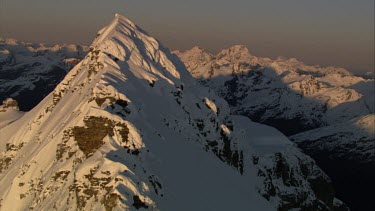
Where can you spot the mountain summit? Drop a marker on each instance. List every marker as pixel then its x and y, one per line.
pixel 129 128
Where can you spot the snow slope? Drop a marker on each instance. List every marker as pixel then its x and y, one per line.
pixel 29 72
pixel 129 128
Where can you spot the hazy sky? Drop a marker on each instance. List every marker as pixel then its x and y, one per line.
pixel 327 32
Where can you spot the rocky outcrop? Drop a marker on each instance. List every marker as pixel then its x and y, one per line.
pixel 9 112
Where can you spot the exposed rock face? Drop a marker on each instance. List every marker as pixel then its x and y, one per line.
pixel 9 112
pixel 296 98
pixel 9 104
pixel 129 128
pixel 29 72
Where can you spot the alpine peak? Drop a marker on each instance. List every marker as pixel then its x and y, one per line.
pixel 128 128
pixel 236 49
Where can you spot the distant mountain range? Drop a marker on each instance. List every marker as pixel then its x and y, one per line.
pixel 29 71
pixel 283 93
pixel 327 111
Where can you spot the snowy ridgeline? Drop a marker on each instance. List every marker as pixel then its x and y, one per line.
pixel 129 128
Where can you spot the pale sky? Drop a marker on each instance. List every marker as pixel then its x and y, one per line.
pixel 325 32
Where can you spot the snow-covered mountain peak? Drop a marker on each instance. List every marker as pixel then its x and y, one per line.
pixel 9 41
pixel 128 128
pixel 198 49
pixel 194 51
pixel 123 40
pixel 234 53
pixel 195 57
pixel 235 49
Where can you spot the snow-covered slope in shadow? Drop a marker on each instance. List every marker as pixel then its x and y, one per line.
pixel 346 151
